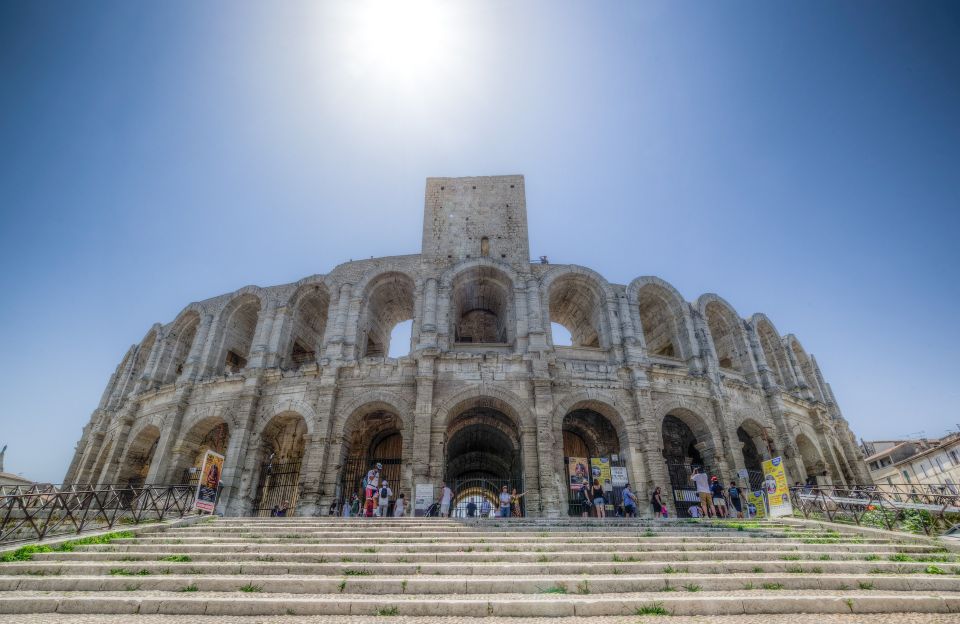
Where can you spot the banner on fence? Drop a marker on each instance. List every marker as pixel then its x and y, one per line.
pixel 755 505
pixel 600 469
pixel 776 489
pixel 210 471
pixel 578 471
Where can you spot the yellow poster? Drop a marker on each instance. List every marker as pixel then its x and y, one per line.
pixel 600 470
pixel 755 505
pixel 776 489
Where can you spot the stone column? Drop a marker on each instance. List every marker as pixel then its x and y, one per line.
pixel 536 336
pixel 235 481
pixel 164 462
pixel 551 461
pixel 422 419
pixel 150 376
pixel 261 335
pixel 195 366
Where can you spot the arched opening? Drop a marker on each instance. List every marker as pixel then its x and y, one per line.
pixel 370 438
pixel 575 304
pixel 281 454
pixel 591 450
pixel 308 325
pixel 179 342
pixel 659 322
pixel 844 467
pixel 389 301
pixel 752 439
pixel 143 354
pixel 140 452
pixel 482 307
pixel 561 335
pixel 724 330
pixel 772 352
pixel 483 454
pixel 806 369
pixel 210 434
pixel 813 464
pixel 686 445
pixel 237 332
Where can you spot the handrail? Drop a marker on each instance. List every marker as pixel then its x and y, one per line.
pixel 926 509
pixel 34 512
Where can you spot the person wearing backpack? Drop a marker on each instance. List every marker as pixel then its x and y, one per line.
pixel 384 498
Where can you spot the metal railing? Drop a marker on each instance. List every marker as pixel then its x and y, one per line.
pixel 928 509
pixel 35 512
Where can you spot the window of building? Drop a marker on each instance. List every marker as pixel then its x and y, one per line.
pixel 906 475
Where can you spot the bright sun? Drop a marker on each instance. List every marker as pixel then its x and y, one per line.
pixel 402 41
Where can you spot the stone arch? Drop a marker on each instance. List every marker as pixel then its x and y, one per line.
pixel 725 330
pixel 388 299
pixel 139 455
pixel 489 396
pixel 806 366
pixel 101 461
pixel 586 428
pixel 206 433
pixel 683 431
pixel 577 299
pixel 772 347
pixel 236 329
pixel 374 431
pixel 297 406
pixel 282 442
pixel 481 307
pixel 663 317
pixel 304 334
pixel 179 343
pixel 812 458
pixel 754 447
pixel 143 352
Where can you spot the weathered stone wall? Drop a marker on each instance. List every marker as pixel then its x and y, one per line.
pixel 303 365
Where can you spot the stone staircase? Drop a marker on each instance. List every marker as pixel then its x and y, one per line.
pixel 530 568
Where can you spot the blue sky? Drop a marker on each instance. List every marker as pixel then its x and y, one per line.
pixel 799 159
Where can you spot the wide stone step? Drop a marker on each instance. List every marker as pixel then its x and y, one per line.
pixel 351 568
pixel 515 605
pixel 580 584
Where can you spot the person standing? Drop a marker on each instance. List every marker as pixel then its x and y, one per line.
pixel 629 502
pixel 504 511
pixel 485 508
pixel 656 502
pixel 471 508
pixel 384 499
pixel 400 507
pixel 599 499
pixel 371 490
pixel 735 502
pixel 446 497
pixel 703 490
pixel 516 509
pixel 583 498
pixel 719 502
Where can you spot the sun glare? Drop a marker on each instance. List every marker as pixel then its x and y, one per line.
pixel 402 42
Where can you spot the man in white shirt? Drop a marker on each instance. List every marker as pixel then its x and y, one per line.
pixel 485 508
pixel 385 494
pixel 446 496
pixel 703 489
pixel 504 503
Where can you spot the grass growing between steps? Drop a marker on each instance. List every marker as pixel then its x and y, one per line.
pixel 653 609
pixel 26 553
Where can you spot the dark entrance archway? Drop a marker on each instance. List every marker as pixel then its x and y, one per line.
pixel 376 439
pixel 483 453
pixel 589 435
pixel 747 435
pixel 684 437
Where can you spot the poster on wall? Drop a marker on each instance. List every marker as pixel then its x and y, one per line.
pixel 579 474
pixel 210 472
pixel 422 498
pixel 600 469
pixel 619 476
pixel 775 487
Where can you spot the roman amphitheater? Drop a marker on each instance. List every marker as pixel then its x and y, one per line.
pixel 296 387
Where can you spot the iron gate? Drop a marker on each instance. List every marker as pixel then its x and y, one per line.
pixel 356 468
pixel 682 489
pixel 478 490
pixel 278 483
pixel 614 496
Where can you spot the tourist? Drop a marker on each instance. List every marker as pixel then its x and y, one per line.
pixel 400 507
pixel 485 508
pixel 371 489
pixel 719 502
pixel 583 500
pixel 471 509
pixel 446 497
pixel 384 499
pixel 599 499
pixel 629 502
pixel 348 505
pixel 656 502
pixel 703 491
pixel 695 512
pixel 735 502
pixel 281 509
pixel 504 503
pixel 516 509
pixel 355 506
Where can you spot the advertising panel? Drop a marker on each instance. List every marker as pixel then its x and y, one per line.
pixel 210 472
pixel 600 469
pixel 578 471
pixel 776 489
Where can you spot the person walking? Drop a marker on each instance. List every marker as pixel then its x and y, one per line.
pixel 384 499
pixel 485 508
pixel 371 488
pixel 355 506
pixel 471 508
pixel 735 501
pixel 446 497
pixel 719 502
pixel 504 503
pixel 656 502
pixel 400 507
pixel 703 490
pixel 516 510
pixel 629 502
pixel 599 499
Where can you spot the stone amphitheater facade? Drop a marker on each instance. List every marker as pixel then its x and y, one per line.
pixel 299 375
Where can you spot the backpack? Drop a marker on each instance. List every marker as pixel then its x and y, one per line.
pixel 384 493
